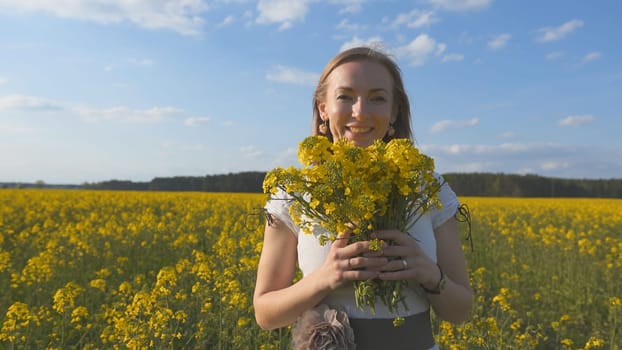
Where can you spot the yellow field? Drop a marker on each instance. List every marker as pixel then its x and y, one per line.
pixel 101 270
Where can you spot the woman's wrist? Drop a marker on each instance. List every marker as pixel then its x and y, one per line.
pixel 438 286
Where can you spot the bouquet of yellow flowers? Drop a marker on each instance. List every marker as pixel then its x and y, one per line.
pixel 387 185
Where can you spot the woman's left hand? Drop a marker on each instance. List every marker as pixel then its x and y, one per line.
pixel 406 259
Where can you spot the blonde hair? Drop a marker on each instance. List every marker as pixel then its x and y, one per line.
pixel 400 98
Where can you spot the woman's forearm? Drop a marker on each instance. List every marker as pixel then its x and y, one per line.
pixel 454 302
pixel 280 308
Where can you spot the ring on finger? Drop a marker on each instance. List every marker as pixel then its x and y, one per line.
pixel 405 264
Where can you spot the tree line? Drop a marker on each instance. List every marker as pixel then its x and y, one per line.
pixel 509 185
pixel 249 181
pixel 464 184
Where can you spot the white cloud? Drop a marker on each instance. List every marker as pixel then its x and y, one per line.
pixel 192 121
pixel 554 55
pixel 248 18
pixel 576 120
pixel 453 57
pixel 3 80
pixel 475 149
pixel 591 56
pixel 548 159
pixel 557 33
pixel 470 167
pixel 419 49
pixel 284 12
pixel 554 165
pixel 349 6
pixel 453 124
pixel 142 61
pixel 145 62
pixel 499 41
pixel 288 157
pixel 125 114
pixel 226 21
pixel 465 38
pixel 172 147
pixel 375 42
pixel 415 19
pixel 28 103
pixel 440 48
pixel 182 16
pixel 9 129
pixel 461 5
pixel 250 151
pixel 346 25
pixel 290 75
pixel 507 135
pixel 34 104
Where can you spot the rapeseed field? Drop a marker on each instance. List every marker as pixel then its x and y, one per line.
pixel 176 270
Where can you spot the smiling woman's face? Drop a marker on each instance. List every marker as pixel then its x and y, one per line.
pixel 358 102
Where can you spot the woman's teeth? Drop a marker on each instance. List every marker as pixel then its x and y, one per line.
pixel 359 130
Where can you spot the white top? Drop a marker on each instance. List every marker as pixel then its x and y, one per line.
pixel 311 254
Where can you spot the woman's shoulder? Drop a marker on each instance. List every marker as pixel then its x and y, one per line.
pixel 278 205
pixel 445 191
pixel 448 200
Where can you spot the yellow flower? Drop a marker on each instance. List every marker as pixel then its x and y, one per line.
pixel 594 343
pixel 64 298
pixel 555 326
pixel 78 314
pixel 492 326
pixel 98 284
pixel 243 321
pixel 344 187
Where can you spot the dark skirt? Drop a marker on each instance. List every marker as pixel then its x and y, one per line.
pixel 380 334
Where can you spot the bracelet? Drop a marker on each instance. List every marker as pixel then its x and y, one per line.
pixel 439 286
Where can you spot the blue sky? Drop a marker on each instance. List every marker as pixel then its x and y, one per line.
pixel 132 90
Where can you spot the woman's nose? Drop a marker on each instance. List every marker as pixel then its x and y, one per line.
pixel 359 108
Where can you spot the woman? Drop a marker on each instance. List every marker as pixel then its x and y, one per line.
pixel 360 96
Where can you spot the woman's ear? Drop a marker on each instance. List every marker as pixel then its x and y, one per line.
pixel 394 113
pixel 321 107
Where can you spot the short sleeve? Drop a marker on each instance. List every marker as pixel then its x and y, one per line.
pixel 278 205
pixel 449 202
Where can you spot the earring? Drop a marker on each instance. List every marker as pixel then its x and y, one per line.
pixel 323 128
pixel 391 130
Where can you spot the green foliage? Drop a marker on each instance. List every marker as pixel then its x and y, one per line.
pixel 509 185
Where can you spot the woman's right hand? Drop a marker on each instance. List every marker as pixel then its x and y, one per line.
pixel 278 302
pixel 345 262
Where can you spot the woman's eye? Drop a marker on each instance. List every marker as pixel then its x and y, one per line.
pixel 378 99
pixel 344 97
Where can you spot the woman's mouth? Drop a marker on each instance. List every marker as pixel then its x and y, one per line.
pixel 358 130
